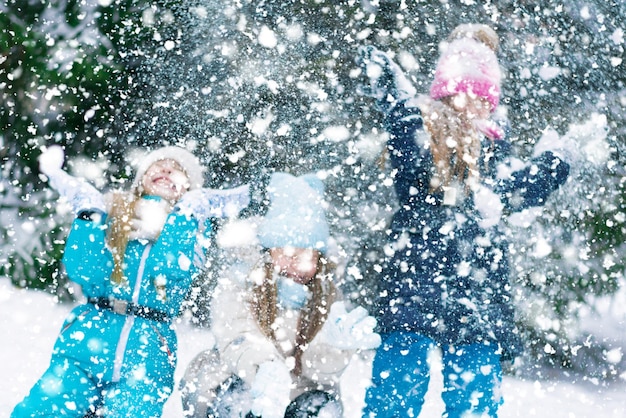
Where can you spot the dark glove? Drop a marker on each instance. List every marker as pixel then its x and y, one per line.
pixel 386 80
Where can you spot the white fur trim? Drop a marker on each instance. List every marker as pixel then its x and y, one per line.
pixel 186 159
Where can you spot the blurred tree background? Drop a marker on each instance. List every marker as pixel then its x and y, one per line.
pixel 257 86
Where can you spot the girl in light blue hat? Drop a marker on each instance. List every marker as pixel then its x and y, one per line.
pixel 282 338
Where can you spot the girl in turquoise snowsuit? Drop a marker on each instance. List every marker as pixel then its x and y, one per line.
pixel 116 353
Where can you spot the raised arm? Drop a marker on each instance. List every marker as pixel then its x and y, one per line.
pixel 395 98
pixel 81 195
pixel 532 185
pixel 208 203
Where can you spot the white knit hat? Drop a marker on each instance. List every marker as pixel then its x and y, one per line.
pixel 296 216
pixel 186 159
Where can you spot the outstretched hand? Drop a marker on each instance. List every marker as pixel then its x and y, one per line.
pixel 582 145
pixel 387 83
pixel 80 195
pixel 206 203
pixel 350 330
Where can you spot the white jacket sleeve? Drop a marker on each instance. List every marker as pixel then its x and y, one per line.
pixel 242 345
pixel 324 363
pixel 214 203
pixel 81 195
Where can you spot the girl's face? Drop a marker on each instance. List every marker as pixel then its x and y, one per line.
pixel 299 264
pixel 166 179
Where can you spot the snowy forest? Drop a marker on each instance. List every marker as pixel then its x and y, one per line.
pixel 252 87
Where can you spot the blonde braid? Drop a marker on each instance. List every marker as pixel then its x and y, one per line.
pixel 264 306
pixel 121 213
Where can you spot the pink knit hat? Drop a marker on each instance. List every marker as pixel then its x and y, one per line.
pixel 468 64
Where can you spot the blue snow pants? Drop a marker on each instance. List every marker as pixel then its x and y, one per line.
pixel 401 372
pixel 66 390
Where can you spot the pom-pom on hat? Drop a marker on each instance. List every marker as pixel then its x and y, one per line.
pixel 186 159
pixel 296 215
pixel 468 64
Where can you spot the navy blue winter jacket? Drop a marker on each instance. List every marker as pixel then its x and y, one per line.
pixel 448 277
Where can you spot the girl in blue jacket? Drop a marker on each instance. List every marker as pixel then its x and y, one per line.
pixel 135 255
pixel 445 282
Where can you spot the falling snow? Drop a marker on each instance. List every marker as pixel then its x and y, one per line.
pixel 253 86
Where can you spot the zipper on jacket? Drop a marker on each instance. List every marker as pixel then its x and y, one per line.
pixel 130 319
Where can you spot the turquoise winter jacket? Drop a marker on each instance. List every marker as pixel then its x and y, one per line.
pixel 169 263
pixel 159 275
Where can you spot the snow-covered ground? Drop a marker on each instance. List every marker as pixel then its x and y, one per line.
pixel 29 322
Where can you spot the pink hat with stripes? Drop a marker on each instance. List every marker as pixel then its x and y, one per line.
pixel 468 64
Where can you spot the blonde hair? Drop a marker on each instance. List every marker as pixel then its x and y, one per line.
pixel 455 144
pixel 121 212
pixel 120 215
pixel 264 305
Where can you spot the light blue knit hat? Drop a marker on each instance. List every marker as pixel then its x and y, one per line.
pixel 296 216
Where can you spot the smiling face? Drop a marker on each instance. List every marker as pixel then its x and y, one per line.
pixel 299 264
pixel 166 179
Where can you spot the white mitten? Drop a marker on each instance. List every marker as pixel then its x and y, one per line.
pixel 149 219
pixel 271 390
pixel 561 146
pixel 387 82
pixel 349 330
pixel 81 195
pixel 583 144
pixel 214 203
